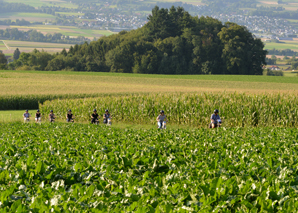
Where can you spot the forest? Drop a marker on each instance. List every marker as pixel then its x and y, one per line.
pixel 172 42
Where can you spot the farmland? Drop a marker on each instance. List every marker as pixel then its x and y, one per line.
pixel 65 30
pixel 27 46
pixel 293 45
pixel 237 110
pixel 83 168
pixel 32 17
pixel 50 3
pixel 24 89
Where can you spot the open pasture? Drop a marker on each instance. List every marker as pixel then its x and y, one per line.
pixel 43 83
pixel 39 3
pixel 65 30
pixel 32 17
pixel 289 5
pixel 293 45
pixel 32 86
pixel 90 168
pixel 194 2
pixel 2 46
pixel 27 46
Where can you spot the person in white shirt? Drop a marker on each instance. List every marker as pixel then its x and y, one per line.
pixel 161 120
pixel 26 116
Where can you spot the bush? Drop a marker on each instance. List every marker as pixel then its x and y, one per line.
pixel 269 72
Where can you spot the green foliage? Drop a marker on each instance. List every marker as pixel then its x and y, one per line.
pixel 34 35
pixel 90 168
pixel 16 54
pixel 237 110
pixel 172 42
pixel 17 102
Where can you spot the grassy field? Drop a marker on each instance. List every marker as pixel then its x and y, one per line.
pixel 39 3
pixel 65 30
pixel 289 5
pixel 2 46
pixel 11 116
pixel 37 83
pixel 293 45
pixel 32 17
pixel 26 46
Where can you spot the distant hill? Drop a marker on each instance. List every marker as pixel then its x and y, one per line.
pixel 172 42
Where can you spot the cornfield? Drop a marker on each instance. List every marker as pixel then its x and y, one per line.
pixel 20 102
pixel 236 110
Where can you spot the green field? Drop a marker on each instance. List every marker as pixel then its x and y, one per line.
pixel 32 17
pixel 11 116
pixel 27 46
pixel 65 30
pixel 2 46
pixel 36 83
pixel 24 89
pixel 289 5
pixel 293 45
pixel 90 168
pixel 39 3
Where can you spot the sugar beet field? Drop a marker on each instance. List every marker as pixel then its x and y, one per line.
pixel 250 164
pixel 83 168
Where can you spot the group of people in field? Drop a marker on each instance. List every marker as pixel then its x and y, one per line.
pixel 107 119
pixel 69 117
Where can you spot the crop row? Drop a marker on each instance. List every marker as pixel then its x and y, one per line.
pixel 21 102
pixel 87 168
pixel 238 110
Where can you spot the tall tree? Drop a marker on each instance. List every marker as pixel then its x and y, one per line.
pixel 16 54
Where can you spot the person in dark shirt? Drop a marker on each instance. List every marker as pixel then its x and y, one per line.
pixel 107 118
pixel 52 116
pixel 69 117
pixel 37 116
pixel 215 119
pixel 94 117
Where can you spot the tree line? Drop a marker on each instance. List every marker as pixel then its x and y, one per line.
pixel 172 42
pixel 34 35
pixel 15 7
pixel 286 52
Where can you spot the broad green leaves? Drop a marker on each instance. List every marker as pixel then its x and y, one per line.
pixel 89 168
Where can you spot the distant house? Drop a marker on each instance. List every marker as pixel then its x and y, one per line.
pixel 285 39
pixel 274 68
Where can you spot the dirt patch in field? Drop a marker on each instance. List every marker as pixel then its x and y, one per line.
pixel 268 2
pixel 277 56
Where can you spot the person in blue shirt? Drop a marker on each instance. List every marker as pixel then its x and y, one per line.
pixel 215 120
pixel 107 118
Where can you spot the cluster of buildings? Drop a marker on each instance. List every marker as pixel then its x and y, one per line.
pixel 261 25
pixel 115 22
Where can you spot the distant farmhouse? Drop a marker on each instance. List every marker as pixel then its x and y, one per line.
pixel 276 68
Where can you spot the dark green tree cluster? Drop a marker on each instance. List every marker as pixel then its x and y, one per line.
pixel 18 22
pixel 3 61
pixel 34 35
pixel 6 7
pixel 285 52
pixel 172 42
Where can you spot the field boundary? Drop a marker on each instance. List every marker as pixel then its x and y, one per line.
pixel 5 44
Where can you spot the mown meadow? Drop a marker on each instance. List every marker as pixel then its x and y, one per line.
pixel 84 168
